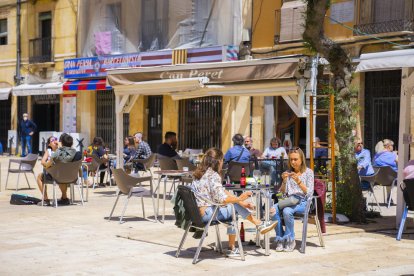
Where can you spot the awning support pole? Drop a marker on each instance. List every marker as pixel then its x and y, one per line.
pixel 119 120
pixel 407 81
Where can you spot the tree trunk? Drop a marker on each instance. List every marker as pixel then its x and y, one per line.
pixel 349 194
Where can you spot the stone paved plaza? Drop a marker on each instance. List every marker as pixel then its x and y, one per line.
pixel 78 240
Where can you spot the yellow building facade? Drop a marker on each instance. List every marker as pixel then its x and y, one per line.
pixel 47 37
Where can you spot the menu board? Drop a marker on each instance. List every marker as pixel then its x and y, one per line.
pixel 69 113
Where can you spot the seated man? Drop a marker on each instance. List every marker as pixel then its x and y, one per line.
pixel 248 143
pixel 65 153
pixel 237 153
pixel 170 145
pixel 143 151
pixel 363 157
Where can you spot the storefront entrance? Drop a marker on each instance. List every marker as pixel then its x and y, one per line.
pixel 155 122
pixel 200 123
pixel 5 119
pixel 382 107
pixel 46 114
pixel 105 118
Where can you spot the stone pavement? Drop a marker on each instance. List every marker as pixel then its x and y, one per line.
pixel 79 240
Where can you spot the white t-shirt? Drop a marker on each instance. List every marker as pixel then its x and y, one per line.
pixel 275 153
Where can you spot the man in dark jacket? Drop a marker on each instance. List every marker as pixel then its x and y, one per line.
pixel 26 129
pixel 170 145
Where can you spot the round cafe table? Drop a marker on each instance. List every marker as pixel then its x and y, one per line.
pixel 262 193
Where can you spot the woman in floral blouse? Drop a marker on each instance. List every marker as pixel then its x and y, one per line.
pixel 297 182
pixel 208 184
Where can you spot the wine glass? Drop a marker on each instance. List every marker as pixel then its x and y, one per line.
pixel 257 174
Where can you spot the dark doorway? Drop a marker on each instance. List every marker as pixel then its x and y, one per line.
pixel 154 122
pixel 46 110
pixel 5 121
pixel 382 107
pixel 200 123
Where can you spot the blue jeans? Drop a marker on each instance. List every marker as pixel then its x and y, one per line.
pixel 288 212
pixel 271 167
pixel 26 140
pixel 225 214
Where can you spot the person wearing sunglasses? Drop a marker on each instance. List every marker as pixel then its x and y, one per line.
pixel 52 145
pixel 298 183
pixel 363 157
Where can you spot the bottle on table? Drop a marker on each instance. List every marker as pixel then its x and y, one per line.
pixel 243 178
pixel 242 238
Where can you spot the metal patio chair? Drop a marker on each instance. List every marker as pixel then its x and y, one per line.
pixel 65 173
pixel 169 164
pixel 408 204
pixel 95 167
pixel 148 163
pixel 387 177
pixel 371 180
pixel 130 186
pixel 26 165
pixel 192 215
pixel 234 170
pixel 185 162
pixel 310 217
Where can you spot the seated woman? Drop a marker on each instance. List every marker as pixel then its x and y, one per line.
pixel 208 184
pixel 98 149
pixel 387 157
pixel 274 151
pixel 129 149
pixel 52 145
pixel 297 182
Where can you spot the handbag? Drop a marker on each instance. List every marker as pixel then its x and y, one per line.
pixel 288 202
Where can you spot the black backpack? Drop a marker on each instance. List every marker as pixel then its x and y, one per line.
pixel 20 199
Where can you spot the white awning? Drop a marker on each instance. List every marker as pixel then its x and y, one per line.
pixel 38 89
pixel 161 87
pixel 390 60
pixel 4 93
pixel 267 88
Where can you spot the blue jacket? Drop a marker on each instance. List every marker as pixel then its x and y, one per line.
pixel 25 127
pixel 364 160
pixel 386 158
pixel 233 153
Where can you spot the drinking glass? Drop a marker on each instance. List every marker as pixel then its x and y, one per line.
pixel 257 174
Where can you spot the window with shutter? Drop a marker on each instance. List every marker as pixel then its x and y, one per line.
pixel 292 20
pixel 3 31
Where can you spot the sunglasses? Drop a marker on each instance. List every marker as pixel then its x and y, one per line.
pixel 296 149
pixel 53 139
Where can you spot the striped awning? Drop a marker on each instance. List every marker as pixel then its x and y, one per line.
pixel 86 85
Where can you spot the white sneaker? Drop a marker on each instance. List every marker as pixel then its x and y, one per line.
pixel 134 174
pixel 233 253
pixel 290 246
pixel 280 246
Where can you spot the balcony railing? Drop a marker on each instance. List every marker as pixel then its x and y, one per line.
pixel 40 50
pixel 385 27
